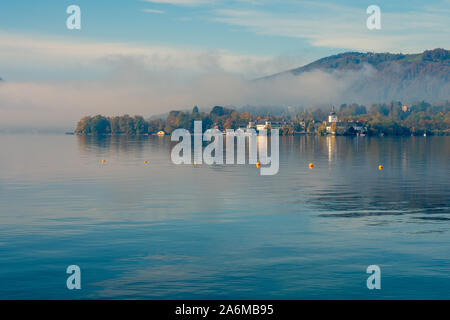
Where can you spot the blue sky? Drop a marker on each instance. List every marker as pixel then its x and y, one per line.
pixel 159 55
pixel 284 33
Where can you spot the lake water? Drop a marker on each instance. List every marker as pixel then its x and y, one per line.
pixel 162 231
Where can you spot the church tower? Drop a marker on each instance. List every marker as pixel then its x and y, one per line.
pixel 332 117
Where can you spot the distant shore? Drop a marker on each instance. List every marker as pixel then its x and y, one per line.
pixel 393 119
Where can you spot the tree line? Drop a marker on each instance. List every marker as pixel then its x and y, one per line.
pixel 392 118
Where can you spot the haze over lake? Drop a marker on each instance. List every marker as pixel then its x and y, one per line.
pixel 165 231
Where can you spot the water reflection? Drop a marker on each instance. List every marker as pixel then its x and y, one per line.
pixel 159 230
pixel 118 143
pixel 331 142
pixel 348 184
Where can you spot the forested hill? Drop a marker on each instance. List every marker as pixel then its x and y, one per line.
pixel 387 76
pixel 437 60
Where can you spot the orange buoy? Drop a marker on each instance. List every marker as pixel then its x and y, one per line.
pixel 103 161
pixel 311 166
pixel 258 164
pixel 380 167
pixel 145 162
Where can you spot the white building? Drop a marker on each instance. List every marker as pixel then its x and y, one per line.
pixel 268 125
pixel 258 125
pixel 332 117
pixel 262 125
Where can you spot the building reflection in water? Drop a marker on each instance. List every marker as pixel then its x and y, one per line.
pixel 331 147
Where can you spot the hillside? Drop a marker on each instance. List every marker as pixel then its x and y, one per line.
pixel 382 77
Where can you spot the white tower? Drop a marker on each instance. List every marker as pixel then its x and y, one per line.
pixel 332 117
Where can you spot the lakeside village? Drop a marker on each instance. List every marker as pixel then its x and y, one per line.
pixel 394 119
pixel 331 126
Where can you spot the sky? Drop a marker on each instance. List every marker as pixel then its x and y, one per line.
pixel 181 48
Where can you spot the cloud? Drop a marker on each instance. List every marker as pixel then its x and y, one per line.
pixel 131 87
pixel 339 26
pixel 153 11
pixel 182 2
pixel 21 52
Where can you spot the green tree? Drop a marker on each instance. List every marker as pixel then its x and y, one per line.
pixel 126 124
pixel 100 125
pixel 140 125
pixel 322 130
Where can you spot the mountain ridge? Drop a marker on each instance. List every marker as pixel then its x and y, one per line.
pixel 387 76
pixel 354 60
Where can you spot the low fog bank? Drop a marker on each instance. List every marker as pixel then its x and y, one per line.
pixel 130 88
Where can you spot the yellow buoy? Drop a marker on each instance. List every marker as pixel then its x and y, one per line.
pixel 145 162
pixel 195 164
pixel 380 167
pixel 258 164
pixel 311 166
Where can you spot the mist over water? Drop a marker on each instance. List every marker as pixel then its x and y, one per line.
pixel 159 230
pixel 128 85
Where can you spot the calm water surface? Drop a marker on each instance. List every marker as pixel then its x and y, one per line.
pixel 161 231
